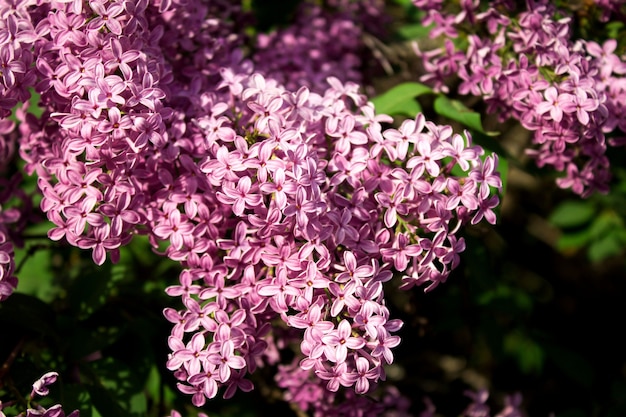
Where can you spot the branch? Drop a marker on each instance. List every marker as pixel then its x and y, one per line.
pixel 7 363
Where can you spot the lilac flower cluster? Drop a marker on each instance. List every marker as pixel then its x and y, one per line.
pixel 40 388
pixel 106 136
pixel 570 94
pixel 320 43
pixel 321 206
pixel 310 393
pixel 288 209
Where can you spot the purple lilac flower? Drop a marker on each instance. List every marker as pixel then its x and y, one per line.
pixel 40 387
pixel 294 265
pixel 571 114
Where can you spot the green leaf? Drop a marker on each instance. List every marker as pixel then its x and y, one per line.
pixel 457 111
pixel 35 272
pixel 504 298
pixel 105 402
pixel 153 386
pixel 28 312
pixel 613 29
pixel 503 169
pixel 86 339
pixel 605 247
pixel 604 222
pixel 406 3
pixel 90 291
pixel 138 251
pixel 33 106
pixel 573 240
pixel 572 214
pixel 117 383
pixel 529 354
pixel 408 108
pixel 414 31
pixel 571 364
pixel 138 404
pixel 76 397
pixel 400 99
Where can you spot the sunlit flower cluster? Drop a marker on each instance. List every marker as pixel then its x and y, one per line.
pixel 568 92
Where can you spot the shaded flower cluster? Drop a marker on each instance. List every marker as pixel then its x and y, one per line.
pixel 479 406
pixel 569 93
pixel 15 209
pixel 309 393
pixel 321 43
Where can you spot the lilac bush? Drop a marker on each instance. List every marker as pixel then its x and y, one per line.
pixel 257 165
pixel 289 209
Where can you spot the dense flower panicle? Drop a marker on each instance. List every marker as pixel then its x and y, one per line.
pixel 302 253
pixel 320 44
pixel 288 208
pixel 567 92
